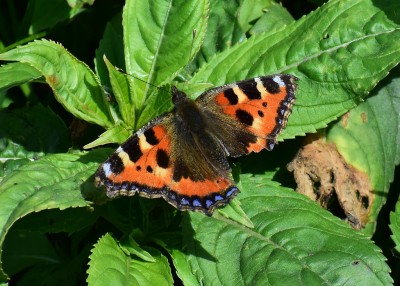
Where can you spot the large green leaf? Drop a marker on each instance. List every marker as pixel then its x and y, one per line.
pixel 369 138
pixel 158 38
pixel 14 74
pixel 55 181
pixel 339 52
pixel 75 86
pixel 294 242
pixel 110 265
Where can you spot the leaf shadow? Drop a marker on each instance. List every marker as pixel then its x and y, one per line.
pixel 390 8
pixel 31 132
pixel 194 248
pixel 88 189
pixel 272 161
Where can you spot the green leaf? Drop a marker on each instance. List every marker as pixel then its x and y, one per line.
pixel 54 181
pixel 13 150
pixel 234 212
pixel 32 132
pixel 172 242
pixel 130 246
pixel 378 153
pixel 223 30
pixel 183 268
pixel 43 15
pixel 251 10
pixel 78 3
pixel 195 89
pixel 109 265
pixel 267 15
pixel 111 46
pixel 123 213
pixel 122 89
pixel 158 102
pixel 275 18
pixel 14 74
pixel 157 39
pixel 74 85
pixel 395 226
pixel 294 242
pixel 10 165
pixel 117 134
pixel 339 52
pixel 5 100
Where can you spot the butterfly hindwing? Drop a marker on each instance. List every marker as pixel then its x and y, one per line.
pixel 161 160
pixel 141 164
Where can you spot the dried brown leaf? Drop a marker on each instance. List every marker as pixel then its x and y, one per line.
pixel 322 174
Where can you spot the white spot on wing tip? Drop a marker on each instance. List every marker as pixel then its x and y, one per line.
pixel 278 80
pixel 119 150
pixel 107 169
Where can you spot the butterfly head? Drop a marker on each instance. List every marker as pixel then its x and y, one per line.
pixel 178 97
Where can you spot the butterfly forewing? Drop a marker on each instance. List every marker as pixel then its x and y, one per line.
pixel 251 113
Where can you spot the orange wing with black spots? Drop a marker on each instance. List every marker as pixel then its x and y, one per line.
pixel 152 164
pixel 181 156
pixel 143 159
pixel 252 112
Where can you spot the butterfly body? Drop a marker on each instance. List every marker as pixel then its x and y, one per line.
pixel 182 155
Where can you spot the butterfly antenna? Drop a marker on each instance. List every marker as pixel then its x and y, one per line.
pixel 191 51
pixel 186 69
pixel 142 80
pixel 190 56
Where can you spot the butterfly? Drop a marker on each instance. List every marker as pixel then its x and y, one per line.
pixel 181 156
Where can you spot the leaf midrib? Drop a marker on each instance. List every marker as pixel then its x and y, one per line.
pixel 157 52
pixel 330 50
